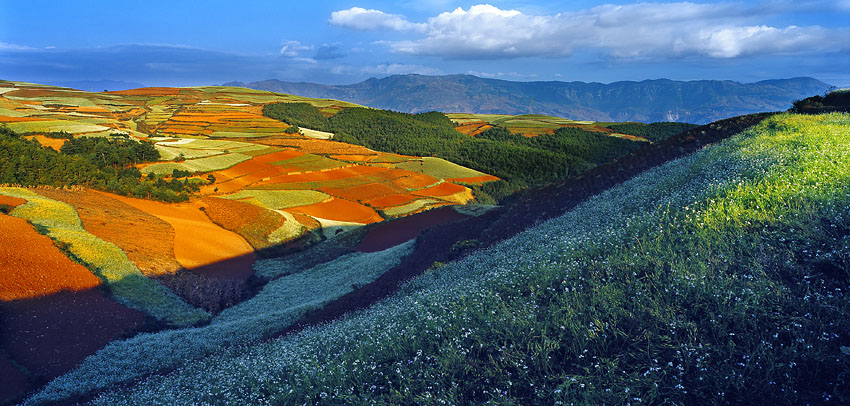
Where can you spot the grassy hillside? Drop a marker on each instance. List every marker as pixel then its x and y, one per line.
pixel 720 277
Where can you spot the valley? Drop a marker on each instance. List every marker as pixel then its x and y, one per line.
pixel 222 244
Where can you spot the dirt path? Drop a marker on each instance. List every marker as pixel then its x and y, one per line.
pixel 200 244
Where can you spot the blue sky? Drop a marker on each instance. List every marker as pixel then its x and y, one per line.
pixel 183 43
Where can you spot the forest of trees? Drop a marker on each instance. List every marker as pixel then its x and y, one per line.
pixel 521 162
pixel 654 132
pixel 298 115
pixel 99 163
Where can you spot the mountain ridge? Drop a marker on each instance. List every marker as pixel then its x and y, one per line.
pixel 699 101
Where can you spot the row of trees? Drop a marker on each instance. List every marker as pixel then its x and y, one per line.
pixel 654 132
pixel 98 163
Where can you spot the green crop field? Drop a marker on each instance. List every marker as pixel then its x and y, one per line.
pixel 439 168
pixel 207 164
pixel 311 162
pixel 279 199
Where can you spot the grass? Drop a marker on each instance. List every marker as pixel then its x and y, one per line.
pixel 206 164
pixel 439 168
pixel 279 199
pixel 127 284
pixel 55 125
pixel 408 208
pixel 311 162
pixel 720 277
pixel 279 304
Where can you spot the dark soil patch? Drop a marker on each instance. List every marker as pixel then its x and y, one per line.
pixel 50 335
pixel 392 233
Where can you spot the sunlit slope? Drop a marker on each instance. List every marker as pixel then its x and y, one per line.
pixel 721 276
pixel 219 139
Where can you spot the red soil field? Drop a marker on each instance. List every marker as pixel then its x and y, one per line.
pixel 473 128
pixel 443 189
pixel 475 179
pixel 354 157
pixel 415 180
pixel 199 244
pixel 249 172
pixel 147 240
pixel 390 201
pixel 362 192
pixel 33 267
pixel 392 233
pixel 339 210
pixel 11 201
pixel 333 174
pixel 252 222
pixel 55 143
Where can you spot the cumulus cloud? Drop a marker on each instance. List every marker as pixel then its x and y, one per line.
pixel 633 31
pixel 362 19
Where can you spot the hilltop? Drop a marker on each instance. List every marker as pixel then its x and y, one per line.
pixel 701 101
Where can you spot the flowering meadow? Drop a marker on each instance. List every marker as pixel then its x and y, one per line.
pixel 720 277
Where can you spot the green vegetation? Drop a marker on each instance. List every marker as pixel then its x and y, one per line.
pixel 654 132
pixel 833 99
pixel 297 115
pixel 127 284
pixel 279 199
pixel 115 151
pixel 720 277
pixel 519 162
pixel 310 162
pixel 206 164
pixel 439 168
pixel 27 163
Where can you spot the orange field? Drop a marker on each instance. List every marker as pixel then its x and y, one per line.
pixel 147 240
pixel 33 267
pixel 11 201
pixel 339 210
pixel 249 172
pixel 197 240
pixel 391 200
pixel 362 192
pixel 333 174
pixel 473 128
pixel 416 180
pixel 55 143
pixel 252 222
pixel 443 189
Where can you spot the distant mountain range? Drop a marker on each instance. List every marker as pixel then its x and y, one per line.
pixel 700 101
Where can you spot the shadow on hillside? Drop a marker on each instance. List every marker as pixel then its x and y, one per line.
pixel 48 336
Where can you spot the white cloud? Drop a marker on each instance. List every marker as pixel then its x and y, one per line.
pixel 400 69
pixel 362 19
pixel 293 48
pixel 5 46
pixel 633 31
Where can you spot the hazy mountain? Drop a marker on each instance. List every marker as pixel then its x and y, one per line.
pixel 699 101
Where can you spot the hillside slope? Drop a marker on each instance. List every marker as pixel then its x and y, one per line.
pixel 646 101
pixel 717 277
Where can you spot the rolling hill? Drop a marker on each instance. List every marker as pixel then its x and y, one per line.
pixel 699 102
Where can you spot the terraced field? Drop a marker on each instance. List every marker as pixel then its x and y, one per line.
pixel 529 125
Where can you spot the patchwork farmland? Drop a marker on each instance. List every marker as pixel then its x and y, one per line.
pixel 213 225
